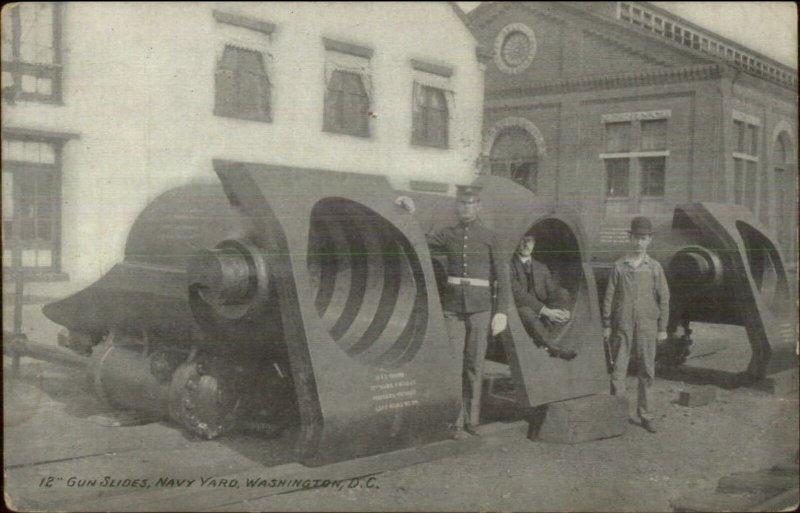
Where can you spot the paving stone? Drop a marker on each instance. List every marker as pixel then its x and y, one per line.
pixel 587 418
pixel 756 482
pixel 697 396
pixel 780 383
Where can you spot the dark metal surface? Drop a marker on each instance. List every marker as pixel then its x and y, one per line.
pixel 17 345
pixel 722 267
pixel 513 211
pixel 367 345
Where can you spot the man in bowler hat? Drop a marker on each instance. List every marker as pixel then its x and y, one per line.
pixel 635 315
pixel 476 272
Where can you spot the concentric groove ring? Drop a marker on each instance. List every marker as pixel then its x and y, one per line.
pixel 368 283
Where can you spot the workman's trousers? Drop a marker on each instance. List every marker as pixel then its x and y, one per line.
pixel 469 337
pixel 643 342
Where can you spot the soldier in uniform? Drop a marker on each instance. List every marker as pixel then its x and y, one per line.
pixel 476 272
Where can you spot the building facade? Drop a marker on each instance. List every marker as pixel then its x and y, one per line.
pixel 105 106
pixel 623 108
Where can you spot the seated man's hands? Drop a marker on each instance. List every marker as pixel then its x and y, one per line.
pixel 555 315
pixel 406 203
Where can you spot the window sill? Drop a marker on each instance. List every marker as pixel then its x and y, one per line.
pixel 245 117
pixel 344 132
pixel 429 145
pixel 35 276
pixel 635 154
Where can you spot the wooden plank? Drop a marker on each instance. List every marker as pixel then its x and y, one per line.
pixel 287 478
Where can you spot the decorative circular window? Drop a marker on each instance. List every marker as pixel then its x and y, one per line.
pixel 514 48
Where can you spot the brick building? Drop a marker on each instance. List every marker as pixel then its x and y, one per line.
pixel 106 106
pixel 624 108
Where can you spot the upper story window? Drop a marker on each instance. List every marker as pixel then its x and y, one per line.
pixel 243 88
pixel 432 105
pixel 348 88
pixel 31 52
pixel 618 137
pixel 745 159
pixel 346 105
pixel 635 157
pixel 430 117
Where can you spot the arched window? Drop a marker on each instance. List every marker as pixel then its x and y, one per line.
pixel 785 176
pixel 514 155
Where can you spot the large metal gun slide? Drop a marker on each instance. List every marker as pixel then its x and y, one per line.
pixel 722 267
pixel 288 293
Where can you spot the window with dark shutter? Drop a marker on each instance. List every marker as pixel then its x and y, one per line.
pixel 243 89
pixel 431 117
pixel 346 105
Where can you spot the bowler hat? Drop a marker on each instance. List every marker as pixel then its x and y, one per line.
pixel 641 226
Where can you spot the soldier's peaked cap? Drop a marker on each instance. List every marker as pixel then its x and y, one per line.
pixel 468 191
pixel 641 226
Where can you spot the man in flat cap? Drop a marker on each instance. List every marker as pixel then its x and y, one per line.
pixel 635 315
pixel 476 271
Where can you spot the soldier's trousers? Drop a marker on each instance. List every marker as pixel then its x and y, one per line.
pixel 642 341
pixel 468 334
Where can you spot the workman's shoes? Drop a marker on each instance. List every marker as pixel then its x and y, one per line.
pixel 472 430
pixel 649 426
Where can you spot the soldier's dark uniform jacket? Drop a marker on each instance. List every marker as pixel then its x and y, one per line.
pixel 472 253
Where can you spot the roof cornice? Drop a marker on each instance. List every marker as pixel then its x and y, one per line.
pixel 639 78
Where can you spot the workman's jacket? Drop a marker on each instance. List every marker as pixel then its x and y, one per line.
pixel 636 294
pixel 476 270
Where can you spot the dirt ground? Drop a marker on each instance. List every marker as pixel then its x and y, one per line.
pixel 51 428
